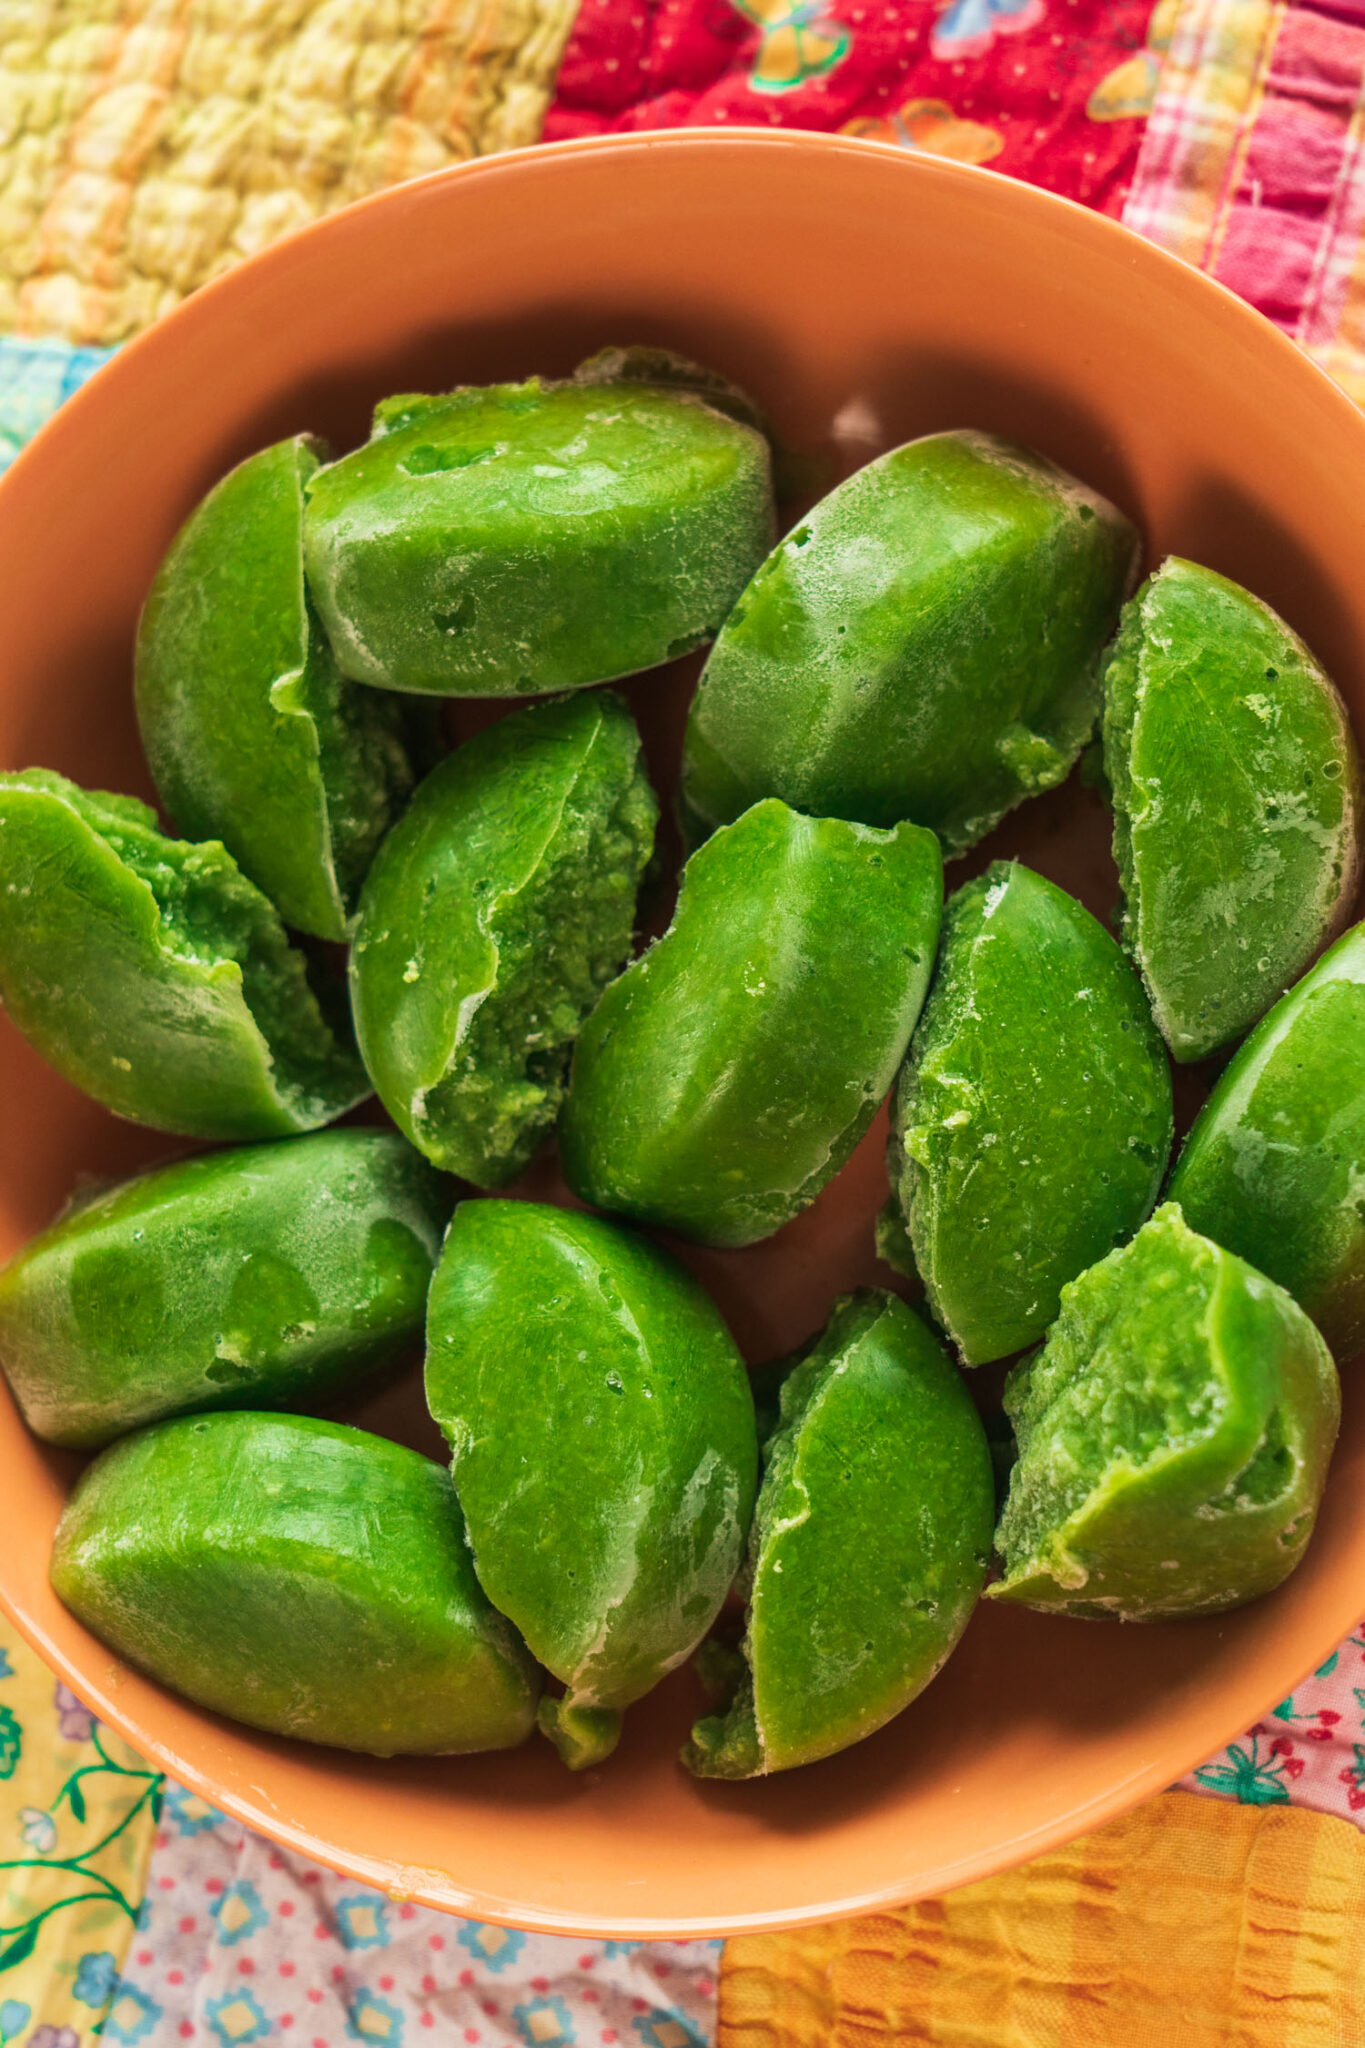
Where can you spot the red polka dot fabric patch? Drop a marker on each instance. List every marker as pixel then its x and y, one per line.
pixel 1053 91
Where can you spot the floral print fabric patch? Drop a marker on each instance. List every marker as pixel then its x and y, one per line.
pixel 131 1911
pixel 1054 91
pixel 240 1942
pixel 1309 1751
pixel 78 1814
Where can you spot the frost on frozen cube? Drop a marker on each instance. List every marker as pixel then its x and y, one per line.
pixel 1237 797
pixel 1174 1437
pixel 603 1449
pixel 1033 1113
pixel 498 908
pixel 924 645
pixel 728 1073
pixel 868 1551
pixel 1274 1167
pixel 154 976
pixel 512 539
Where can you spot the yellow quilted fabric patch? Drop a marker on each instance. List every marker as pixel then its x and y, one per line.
pixel 1187 1924
pixel 146 145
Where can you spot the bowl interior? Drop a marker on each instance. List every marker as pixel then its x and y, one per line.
pixel 864 296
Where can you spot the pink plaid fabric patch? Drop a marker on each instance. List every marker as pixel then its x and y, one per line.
pixel 1251 166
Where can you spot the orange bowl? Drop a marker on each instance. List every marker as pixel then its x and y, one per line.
pixel 865 295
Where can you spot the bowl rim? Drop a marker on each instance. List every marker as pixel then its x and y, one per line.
pixel 917 164
pixel 434 1888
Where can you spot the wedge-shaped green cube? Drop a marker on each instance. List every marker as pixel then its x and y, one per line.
pixel 299 1576
pixel 726 1076
pixel 498 908
pixel 924 645
pixel 1174 1436
pixel 262 1276
pixel 508 539
pixel 869 1546
pixel 1237 797
pixel 1275 1165
pixel 1033 1115
pixel 151 973
pixel 602 1446
pixel 252 734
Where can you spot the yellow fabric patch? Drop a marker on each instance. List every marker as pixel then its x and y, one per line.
pixel 1188 1924
pixel 76 1832
pixel 1128 92
pixel 932 127
pixel 146 145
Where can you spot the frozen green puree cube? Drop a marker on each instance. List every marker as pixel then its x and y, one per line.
pixel 515 538
pixel 1174 1436
pixel 151 973
pixel 869 1546
pixel 602 1446
pixel 264 1276
pixel 1236 789
pixel 299 1576
pixel 496 911
pixel 1275 1165
pixel 252 734
pixel 729 1072
pixel 1033 1116
pixel 923 645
